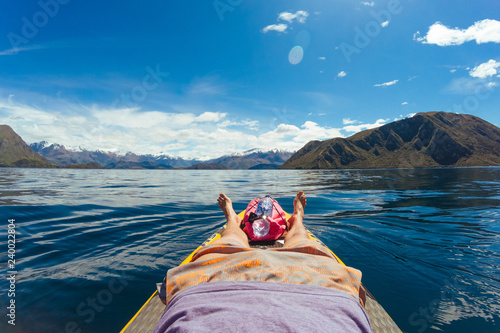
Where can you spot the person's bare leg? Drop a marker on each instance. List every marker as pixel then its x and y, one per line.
pixel 233 230
pixel 297 232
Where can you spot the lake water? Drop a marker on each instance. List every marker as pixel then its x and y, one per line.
pixel 91 244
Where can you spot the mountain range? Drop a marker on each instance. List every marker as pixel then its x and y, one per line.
pixel 59 154
pixel 430 139
pixel 255 158
pixel 426 140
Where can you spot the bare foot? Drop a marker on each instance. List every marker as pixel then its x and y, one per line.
pixel 299 203
pixel 296 230
pixel 233 230
pixel 226 205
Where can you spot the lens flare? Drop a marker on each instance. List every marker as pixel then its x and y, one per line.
pixel 296 54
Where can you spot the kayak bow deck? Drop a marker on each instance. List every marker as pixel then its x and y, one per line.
pixel 145 320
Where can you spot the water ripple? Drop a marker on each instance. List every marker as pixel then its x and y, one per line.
pixel 427 241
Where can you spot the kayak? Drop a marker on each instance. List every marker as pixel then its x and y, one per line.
pixel 145 320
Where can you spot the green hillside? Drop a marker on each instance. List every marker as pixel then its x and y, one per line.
pixel 432 139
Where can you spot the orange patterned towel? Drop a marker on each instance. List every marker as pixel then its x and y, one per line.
pixel 306 262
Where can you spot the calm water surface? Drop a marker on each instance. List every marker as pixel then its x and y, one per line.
pixel 91 244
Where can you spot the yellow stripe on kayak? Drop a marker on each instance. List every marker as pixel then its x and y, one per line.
pixel 318 241
pixel 188 259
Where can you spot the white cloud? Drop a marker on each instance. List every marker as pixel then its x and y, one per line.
pixel 312 131
pixel 210 117
pixel 453 70
pixel 341 74
pixel 203 135
pixel 174 146
pixel 128 129
pixel 485 70
pixel 485 31
pixel 300 16
pixel 368 3
pixel 282 131
pixel 348 121
pixel 404 103
pixel 9 51
pixel 384 24
pixel 252 125
pixel 200 135
pixel 322 58
pixel 466 86
pixel 281 27
pixel 284 136
pixel 134 118
pixel 287 129
pixel 362 127
pixel 16 50
pixel 410 115
pixel 386 84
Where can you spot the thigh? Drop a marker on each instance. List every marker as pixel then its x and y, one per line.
pixel 308 246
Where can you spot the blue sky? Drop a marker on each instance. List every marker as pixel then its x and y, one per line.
pixel 208 78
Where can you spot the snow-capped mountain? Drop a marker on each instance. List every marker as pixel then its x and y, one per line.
pixel 255 158
pixel 61 155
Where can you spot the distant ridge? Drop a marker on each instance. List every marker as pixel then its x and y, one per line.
pixel 63 156
pixel 272 159
pixel 431 139
pixel 14 152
